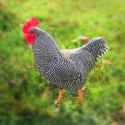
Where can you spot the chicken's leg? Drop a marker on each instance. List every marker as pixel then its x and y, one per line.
pixel 59 98
pixel 81 96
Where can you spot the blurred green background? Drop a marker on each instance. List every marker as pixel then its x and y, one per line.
pixel 26 98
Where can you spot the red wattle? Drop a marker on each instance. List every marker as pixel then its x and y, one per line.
pixel 30 38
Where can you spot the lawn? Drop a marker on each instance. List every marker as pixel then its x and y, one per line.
pixel 28 99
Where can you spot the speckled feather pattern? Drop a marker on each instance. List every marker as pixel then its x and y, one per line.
pixel 68 73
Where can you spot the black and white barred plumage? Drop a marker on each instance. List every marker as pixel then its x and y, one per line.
pixel 68 72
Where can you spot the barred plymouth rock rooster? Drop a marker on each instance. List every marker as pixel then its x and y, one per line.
pixel 68 70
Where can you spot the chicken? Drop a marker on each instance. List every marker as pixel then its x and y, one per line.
pixel 68 70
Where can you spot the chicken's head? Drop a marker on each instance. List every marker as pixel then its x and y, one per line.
pixel 27 27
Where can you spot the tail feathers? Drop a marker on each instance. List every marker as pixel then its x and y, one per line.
pixel 97 47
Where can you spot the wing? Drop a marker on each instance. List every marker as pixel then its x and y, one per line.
pixel 68 52
pixel 66 74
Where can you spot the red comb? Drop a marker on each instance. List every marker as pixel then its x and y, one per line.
pixel 33 22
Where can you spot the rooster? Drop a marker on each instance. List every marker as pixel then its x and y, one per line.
pixel 68 70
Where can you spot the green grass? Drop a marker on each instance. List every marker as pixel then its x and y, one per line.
pixel 26 98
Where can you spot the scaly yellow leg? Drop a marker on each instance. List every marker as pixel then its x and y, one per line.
pixel 59 99
pixel 81 96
